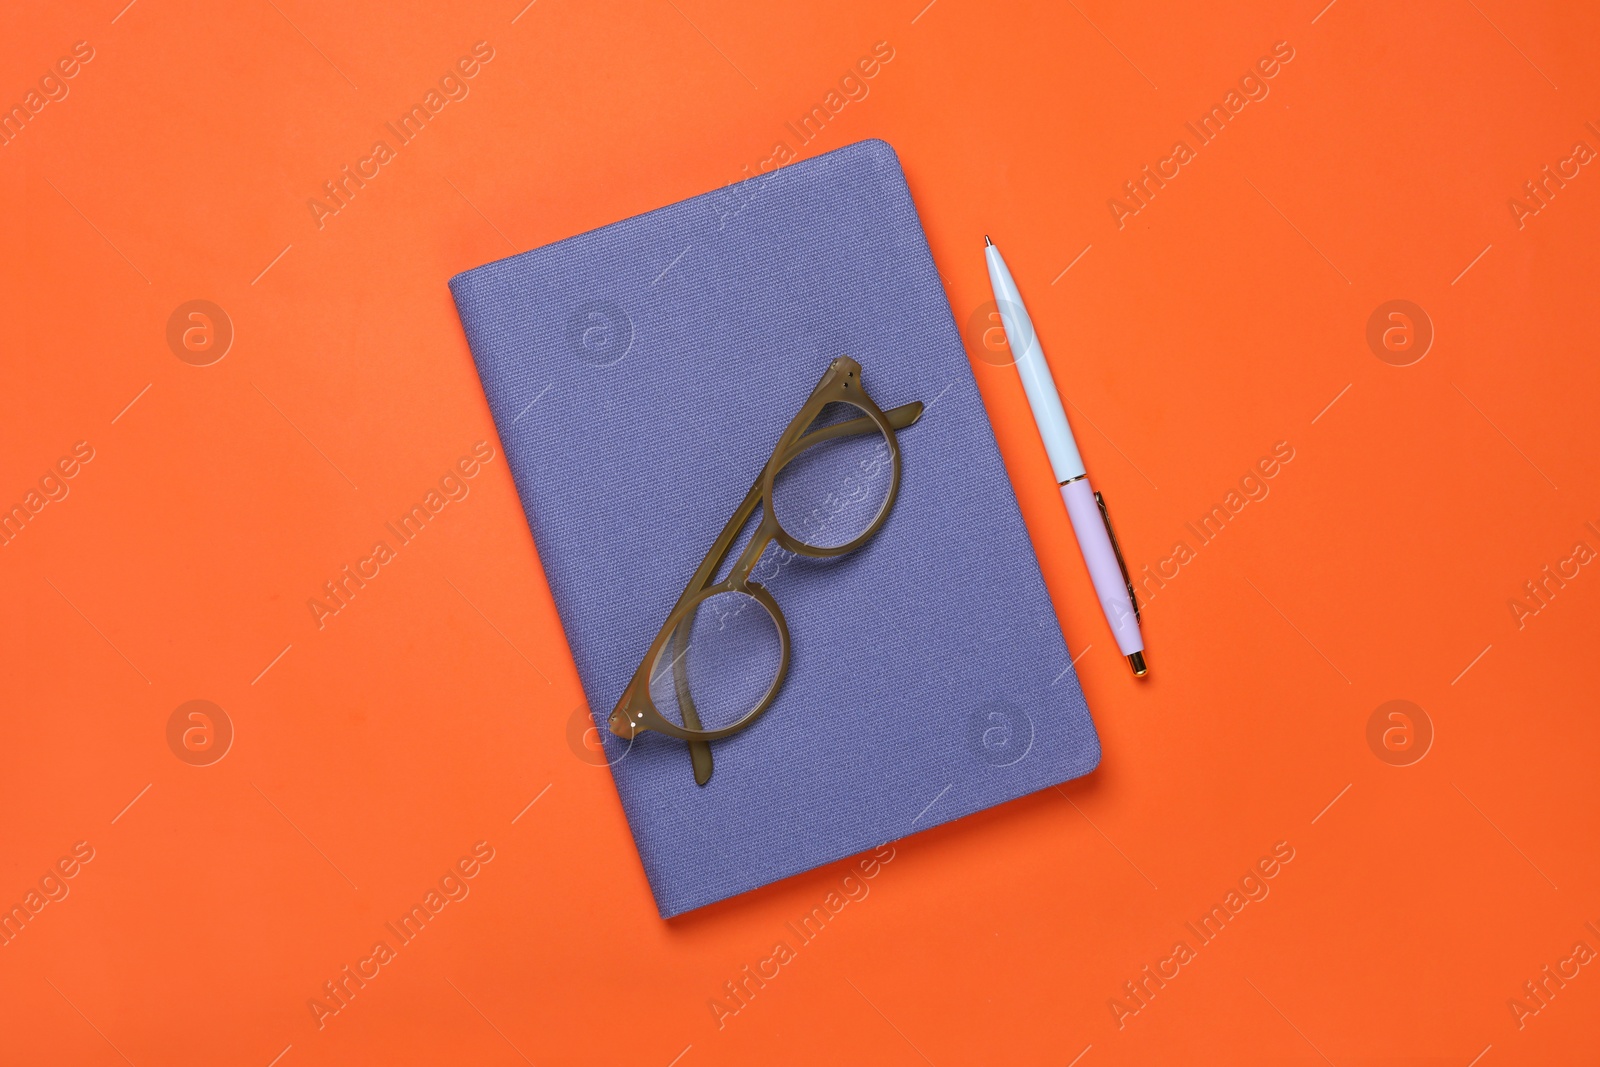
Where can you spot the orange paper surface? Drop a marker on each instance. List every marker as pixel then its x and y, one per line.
pixel 1350 816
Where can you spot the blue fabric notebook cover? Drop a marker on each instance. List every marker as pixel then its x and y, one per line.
pixel 639 375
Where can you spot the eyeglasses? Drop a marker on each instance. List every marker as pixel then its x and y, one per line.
pixel 718 661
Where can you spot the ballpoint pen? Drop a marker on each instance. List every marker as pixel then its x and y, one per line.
pixel 1085 507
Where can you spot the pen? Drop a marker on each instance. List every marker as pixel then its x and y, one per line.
pixel 1085 507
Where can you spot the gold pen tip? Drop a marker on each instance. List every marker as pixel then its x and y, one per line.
pixel 1136 661
pixel 986 241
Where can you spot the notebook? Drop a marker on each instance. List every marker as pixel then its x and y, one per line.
pixel 639 376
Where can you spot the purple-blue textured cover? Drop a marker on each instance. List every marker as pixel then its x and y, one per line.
pixel 639 375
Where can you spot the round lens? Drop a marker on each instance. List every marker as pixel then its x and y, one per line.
pixel 719 663
pixel 833 491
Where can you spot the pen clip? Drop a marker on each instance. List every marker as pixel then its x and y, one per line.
pixel 1116 548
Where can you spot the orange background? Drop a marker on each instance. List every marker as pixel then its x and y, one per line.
pixel 1226 316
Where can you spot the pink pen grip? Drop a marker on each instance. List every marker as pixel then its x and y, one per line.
pixel 1102 561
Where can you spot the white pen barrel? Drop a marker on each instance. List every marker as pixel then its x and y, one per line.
pixel 1048 413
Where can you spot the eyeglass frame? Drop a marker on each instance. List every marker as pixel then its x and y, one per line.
pixel 635 711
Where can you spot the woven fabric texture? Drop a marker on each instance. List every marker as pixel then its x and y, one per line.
pixel 639 375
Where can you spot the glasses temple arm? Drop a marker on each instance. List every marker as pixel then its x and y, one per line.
pixel 898 418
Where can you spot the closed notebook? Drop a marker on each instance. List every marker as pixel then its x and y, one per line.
pixel 640 375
